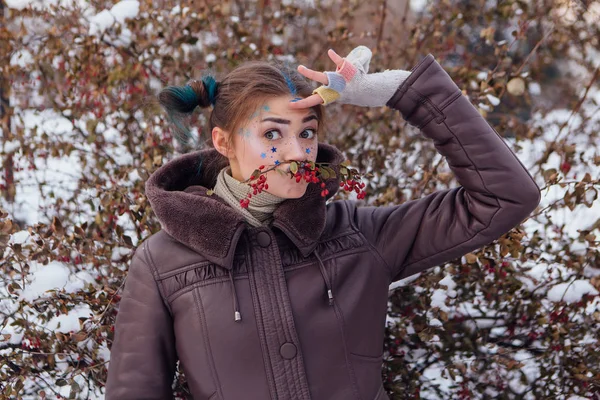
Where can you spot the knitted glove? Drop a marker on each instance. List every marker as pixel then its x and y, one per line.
pixel 352 84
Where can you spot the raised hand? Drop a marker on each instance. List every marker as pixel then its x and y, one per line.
pixel 321 77
pixel 351 83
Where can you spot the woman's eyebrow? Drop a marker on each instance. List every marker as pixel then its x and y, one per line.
pixel 287 121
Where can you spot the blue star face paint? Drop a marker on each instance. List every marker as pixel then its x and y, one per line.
pixel 307 150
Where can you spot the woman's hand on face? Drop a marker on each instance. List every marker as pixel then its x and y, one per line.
pixel 317 76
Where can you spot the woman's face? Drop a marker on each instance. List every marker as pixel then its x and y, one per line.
pixel 273 135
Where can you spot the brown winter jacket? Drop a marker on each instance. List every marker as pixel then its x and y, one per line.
pixel 312 289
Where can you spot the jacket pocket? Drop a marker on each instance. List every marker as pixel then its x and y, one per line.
pixel 368 376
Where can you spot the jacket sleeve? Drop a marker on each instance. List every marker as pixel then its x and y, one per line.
pixel 496 191
pixel 143 355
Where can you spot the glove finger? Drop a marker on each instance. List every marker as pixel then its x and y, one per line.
pixel 360 56
pixel 326 94
pixel 312 74
pixel 336 81
pixel 347 70
pixel 308 102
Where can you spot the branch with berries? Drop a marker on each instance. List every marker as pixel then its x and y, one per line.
pixel 311 172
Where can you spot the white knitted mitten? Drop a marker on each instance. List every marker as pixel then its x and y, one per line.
pixel 362 88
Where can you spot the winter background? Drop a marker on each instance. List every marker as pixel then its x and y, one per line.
pixel 80 133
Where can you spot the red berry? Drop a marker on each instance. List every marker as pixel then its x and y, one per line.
pixel 565 167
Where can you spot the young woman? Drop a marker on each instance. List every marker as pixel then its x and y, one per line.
pixel 284 296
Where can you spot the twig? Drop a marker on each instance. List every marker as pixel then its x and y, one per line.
pixel 537 45
pixel 381 24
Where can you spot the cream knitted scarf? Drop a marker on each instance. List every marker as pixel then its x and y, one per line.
pixel 261 207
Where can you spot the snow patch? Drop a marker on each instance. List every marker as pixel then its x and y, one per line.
pixel 571 292
pixel 69 322
pixel 21 58
pixel 55 275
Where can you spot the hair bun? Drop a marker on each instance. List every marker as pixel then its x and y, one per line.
pixel 203 97
pixel 211 86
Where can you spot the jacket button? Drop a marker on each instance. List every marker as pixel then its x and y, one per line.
pixel 288 351
pixel 263 239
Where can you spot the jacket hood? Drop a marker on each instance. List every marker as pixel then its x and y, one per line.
pixel 210 226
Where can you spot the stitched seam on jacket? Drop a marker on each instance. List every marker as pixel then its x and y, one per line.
pixel 207 347
pixel 154 270
pixel 412 78
pixel 188 267
pixel 342 327
pixel 349 365
pixel 184 268
pixel 341 235
pixel 449 101
pixel 285 330
pixel 425 101
pixel 348 252
pixel 371 247
pixel 427 120
pixel 308 261
pixel 195 285
pixel 269 312
pixel 260 326
pixel 283 334
pixel 476 232
pixel 369 358
pixel 297 363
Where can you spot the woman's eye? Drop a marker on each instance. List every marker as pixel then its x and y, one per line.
pixel 269 134
pixel 311 134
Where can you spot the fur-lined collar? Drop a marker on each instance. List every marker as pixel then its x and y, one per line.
pixel 209 226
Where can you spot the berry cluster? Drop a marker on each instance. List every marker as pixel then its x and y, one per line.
pixel 311 172
pixel 257 187
pixel 356 186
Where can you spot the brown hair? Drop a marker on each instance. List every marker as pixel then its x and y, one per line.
pixel 237 96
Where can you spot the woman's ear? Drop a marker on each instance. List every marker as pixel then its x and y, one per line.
pixel 220 140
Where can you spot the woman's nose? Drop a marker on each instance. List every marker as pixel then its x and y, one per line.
pixel 295 150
